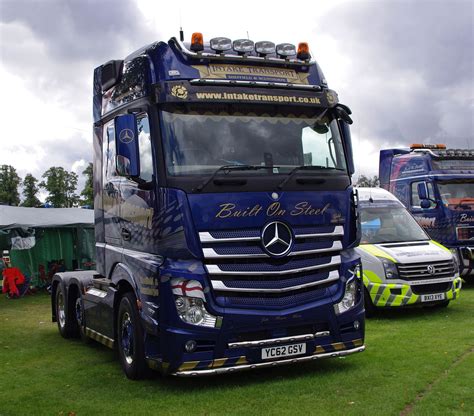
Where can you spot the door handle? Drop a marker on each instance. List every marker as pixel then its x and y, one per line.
pixel 126 234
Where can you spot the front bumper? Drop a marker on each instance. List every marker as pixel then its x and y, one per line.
pixel 230 365
pixel 401 293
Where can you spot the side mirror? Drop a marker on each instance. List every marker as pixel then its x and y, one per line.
pixel 425 203
pixel 126 142
pixel 346 133
pixel 422 190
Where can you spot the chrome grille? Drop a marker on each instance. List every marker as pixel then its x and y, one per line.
pixel 239 268
pixel 420 271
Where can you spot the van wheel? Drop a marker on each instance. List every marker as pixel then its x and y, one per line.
pixel 370 309
pixel 66 322
pixel 130 339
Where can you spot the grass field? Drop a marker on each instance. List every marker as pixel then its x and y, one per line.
pixel 417 362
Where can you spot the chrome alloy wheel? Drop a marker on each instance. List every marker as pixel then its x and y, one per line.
pixel 126 338
pixel 61 310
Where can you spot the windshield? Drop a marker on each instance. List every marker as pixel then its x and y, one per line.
pixel 389 225
pixel 199 142
pixel 457 196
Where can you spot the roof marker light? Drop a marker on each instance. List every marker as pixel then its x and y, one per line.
pixel 243 46
pixel 264 47
pixel 284 50
pixel 303 52
pixel 220 44
pixel 427 146
pixel 197 42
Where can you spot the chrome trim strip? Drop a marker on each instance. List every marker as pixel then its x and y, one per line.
pixel 282 340
pixel 97 336
pixel 205 81
pixel 223 370
pixel 220 286
pixel 214 269
pixel 206 237
pixel 338 231
pixel 429 281
pixel 210 253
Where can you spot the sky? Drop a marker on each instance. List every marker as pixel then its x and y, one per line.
pixel 405 68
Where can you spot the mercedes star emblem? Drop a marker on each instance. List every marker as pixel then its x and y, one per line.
pixel 126 136
pixel 277 239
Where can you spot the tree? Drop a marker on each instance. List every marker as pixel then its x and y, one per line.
pixel 29 191
pixel 368 182
pixel 88 191
pixel 9 181
pixel 61 186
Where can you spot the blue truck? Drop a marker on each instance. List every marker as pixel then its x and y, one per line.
pixel 437 186
pixel 225 218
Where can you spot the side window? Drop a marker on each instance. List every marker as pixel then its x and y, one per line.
pixel 415 199
pixel 144 144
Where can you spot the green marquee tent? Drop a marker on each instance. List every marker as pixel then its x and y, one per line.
pixel 42 241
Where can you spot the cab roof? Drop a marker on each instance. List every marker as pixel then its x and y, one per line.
pixel 376 194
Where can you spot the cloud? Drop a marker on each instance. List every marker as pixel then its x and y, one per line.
pixel 411 72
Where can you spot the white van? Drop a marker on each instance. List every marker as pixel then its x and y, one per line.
pixel 401 265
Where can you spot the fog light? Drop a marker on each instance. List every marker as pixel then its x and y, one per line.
pixel 356 325
pixel 190 345
pixel 243 46
pixel 264 47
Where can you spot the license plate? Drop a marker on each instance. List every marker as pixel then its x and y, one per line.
pixel 283 351
pixel 433 297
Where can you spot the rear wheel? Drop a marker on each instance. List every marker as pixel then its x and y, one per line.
pixel 65 319
pixel 370 309
pixel 80 318
pixel 130 339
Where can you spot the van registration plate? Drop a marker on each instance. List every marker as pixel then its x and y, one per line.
pixel 433 297
pixel 283 351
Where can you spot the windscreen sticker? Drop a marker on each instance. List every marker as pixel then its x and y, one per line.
pixel 251 73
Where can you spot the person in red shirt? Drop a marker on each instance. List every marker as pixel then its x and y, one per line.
pixel 12 277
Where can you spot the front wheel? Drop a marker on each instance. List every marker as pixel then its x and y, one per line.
pixel 130 338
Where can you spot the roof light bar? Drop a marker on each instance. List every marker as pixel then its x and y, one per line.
pixel 197 42
pixel 220 44
pixel 427 146
pixel 265 47
pixel 243 46
pixel 284 50
pixel 303 51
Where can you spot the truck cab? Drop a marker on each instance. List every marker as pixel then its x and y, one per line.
pixel 401 265
pixel 225 216
pixel 437 186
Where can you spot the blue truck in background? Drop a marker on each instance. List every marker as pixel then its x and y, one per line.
pixel 437 186
pixel 225 218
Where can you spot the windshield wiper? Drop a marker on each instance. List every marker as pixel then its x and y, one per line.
pixel 227 169
pixel 297 169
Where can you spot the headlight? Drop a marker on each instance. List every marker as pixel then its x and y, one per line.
pixel 349 299
pixel 190 303
pixel 391 271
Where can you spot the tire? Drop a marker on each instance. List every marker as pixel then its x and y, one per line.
pixel 370 308
pixel 130 339
pixel 64 314
pixel 80 317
